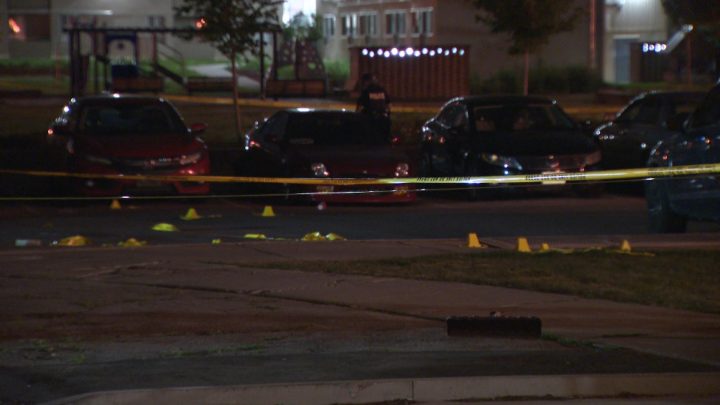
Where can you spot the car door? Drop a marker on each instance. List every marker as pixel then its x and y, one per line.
pixel 629 144
pixel 450 143
pixel 698 196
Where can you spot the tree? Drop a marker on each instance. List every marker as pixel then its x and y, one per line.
pixel 234 27
pixel 703 15
pixel 530 23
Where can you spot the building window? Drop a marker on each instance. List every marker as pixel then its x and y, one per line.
pixel 367 25
pixel 329 26
pixel 395 23
pixel 29 27
pixel 156 21
pixel 349 25
pixel 421 21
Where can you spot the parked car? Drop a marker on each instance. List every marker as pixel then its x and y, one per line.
pixel 672 201
pixel 118 134
pixel 505 135
pixel 322 143
pixel 627 139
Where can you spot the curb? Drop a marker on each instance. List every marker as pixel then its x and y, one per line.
pixel 424 389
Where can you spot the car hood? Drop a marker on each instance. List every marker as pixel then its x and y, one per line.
pixel 370 160
pixel 139 146
pixel 537 143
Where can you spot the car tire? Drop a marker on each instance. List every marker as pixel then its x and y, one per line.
pixel 661 217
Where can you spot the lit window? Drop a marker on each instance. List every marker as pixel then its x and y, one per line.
pixel 29 27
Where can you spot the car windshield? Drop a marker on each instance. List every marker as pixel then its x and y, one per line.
pixel 709 111
pixel 128 119
pixel 332 130
pixel 520 117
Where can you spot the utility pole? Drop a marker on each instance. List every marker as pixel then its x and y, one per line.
pixel 592 41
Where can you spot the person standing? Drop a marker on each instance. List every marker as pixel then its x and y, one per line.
pixel 374 102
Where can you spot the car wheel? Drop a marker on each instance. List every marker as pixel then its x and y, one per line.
pixel 662 219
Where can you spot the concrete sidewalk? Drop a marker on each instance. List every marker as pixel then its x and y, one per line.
pixel 327 312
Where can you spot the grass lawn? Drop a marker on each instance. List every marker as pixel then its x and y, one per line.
pixel 682 279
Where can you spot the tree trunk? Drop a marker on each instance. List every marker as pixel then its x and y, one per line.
pixel 235 94
pixel 526 75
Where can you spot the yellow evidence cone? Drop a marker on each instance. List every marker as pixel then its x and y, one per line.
pixel 190 215
pixel 115 205
pixel 268 211
pixel 523 246
pixel 545 247
pixel 625 247
pixel 474 242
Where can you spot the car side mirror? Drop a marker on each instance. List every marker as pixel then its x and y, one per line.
pixel 677 123
pixel 198 128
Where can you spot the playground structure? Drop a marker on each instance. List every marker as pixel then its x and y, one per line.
pixel 309 76
pixel 129 75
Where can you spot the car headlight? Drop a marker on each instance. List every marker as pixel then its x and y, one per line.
pixel 190 159
pixel 97 159
pixel 402 170
pixel 319 170
pixel 501 161
pixel 593 158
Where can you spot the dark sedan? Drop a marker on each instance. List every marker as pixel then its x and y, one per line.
pixel 672 201
pixel 505 135
pixel 322 144
pixel 120 135
pixel 626 141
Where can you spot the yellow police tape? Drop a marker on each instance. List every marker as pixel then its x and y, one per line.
pixel 545 178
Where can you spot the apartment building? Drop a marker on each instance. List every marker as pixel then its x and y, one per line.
pixel 418 23
pixel 602 38
pixel 629 23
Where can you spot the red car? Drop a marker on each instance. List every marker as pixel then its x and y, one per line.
pixel 322 144
pixel 130 135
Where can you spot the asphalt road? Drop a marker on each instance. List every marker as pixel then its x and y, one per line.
pixel 434 216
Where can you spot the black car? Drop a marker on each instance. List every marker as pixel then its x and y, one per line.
pixel 626 141
pixel 505 135
pixel 324 143
pixel 672 201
